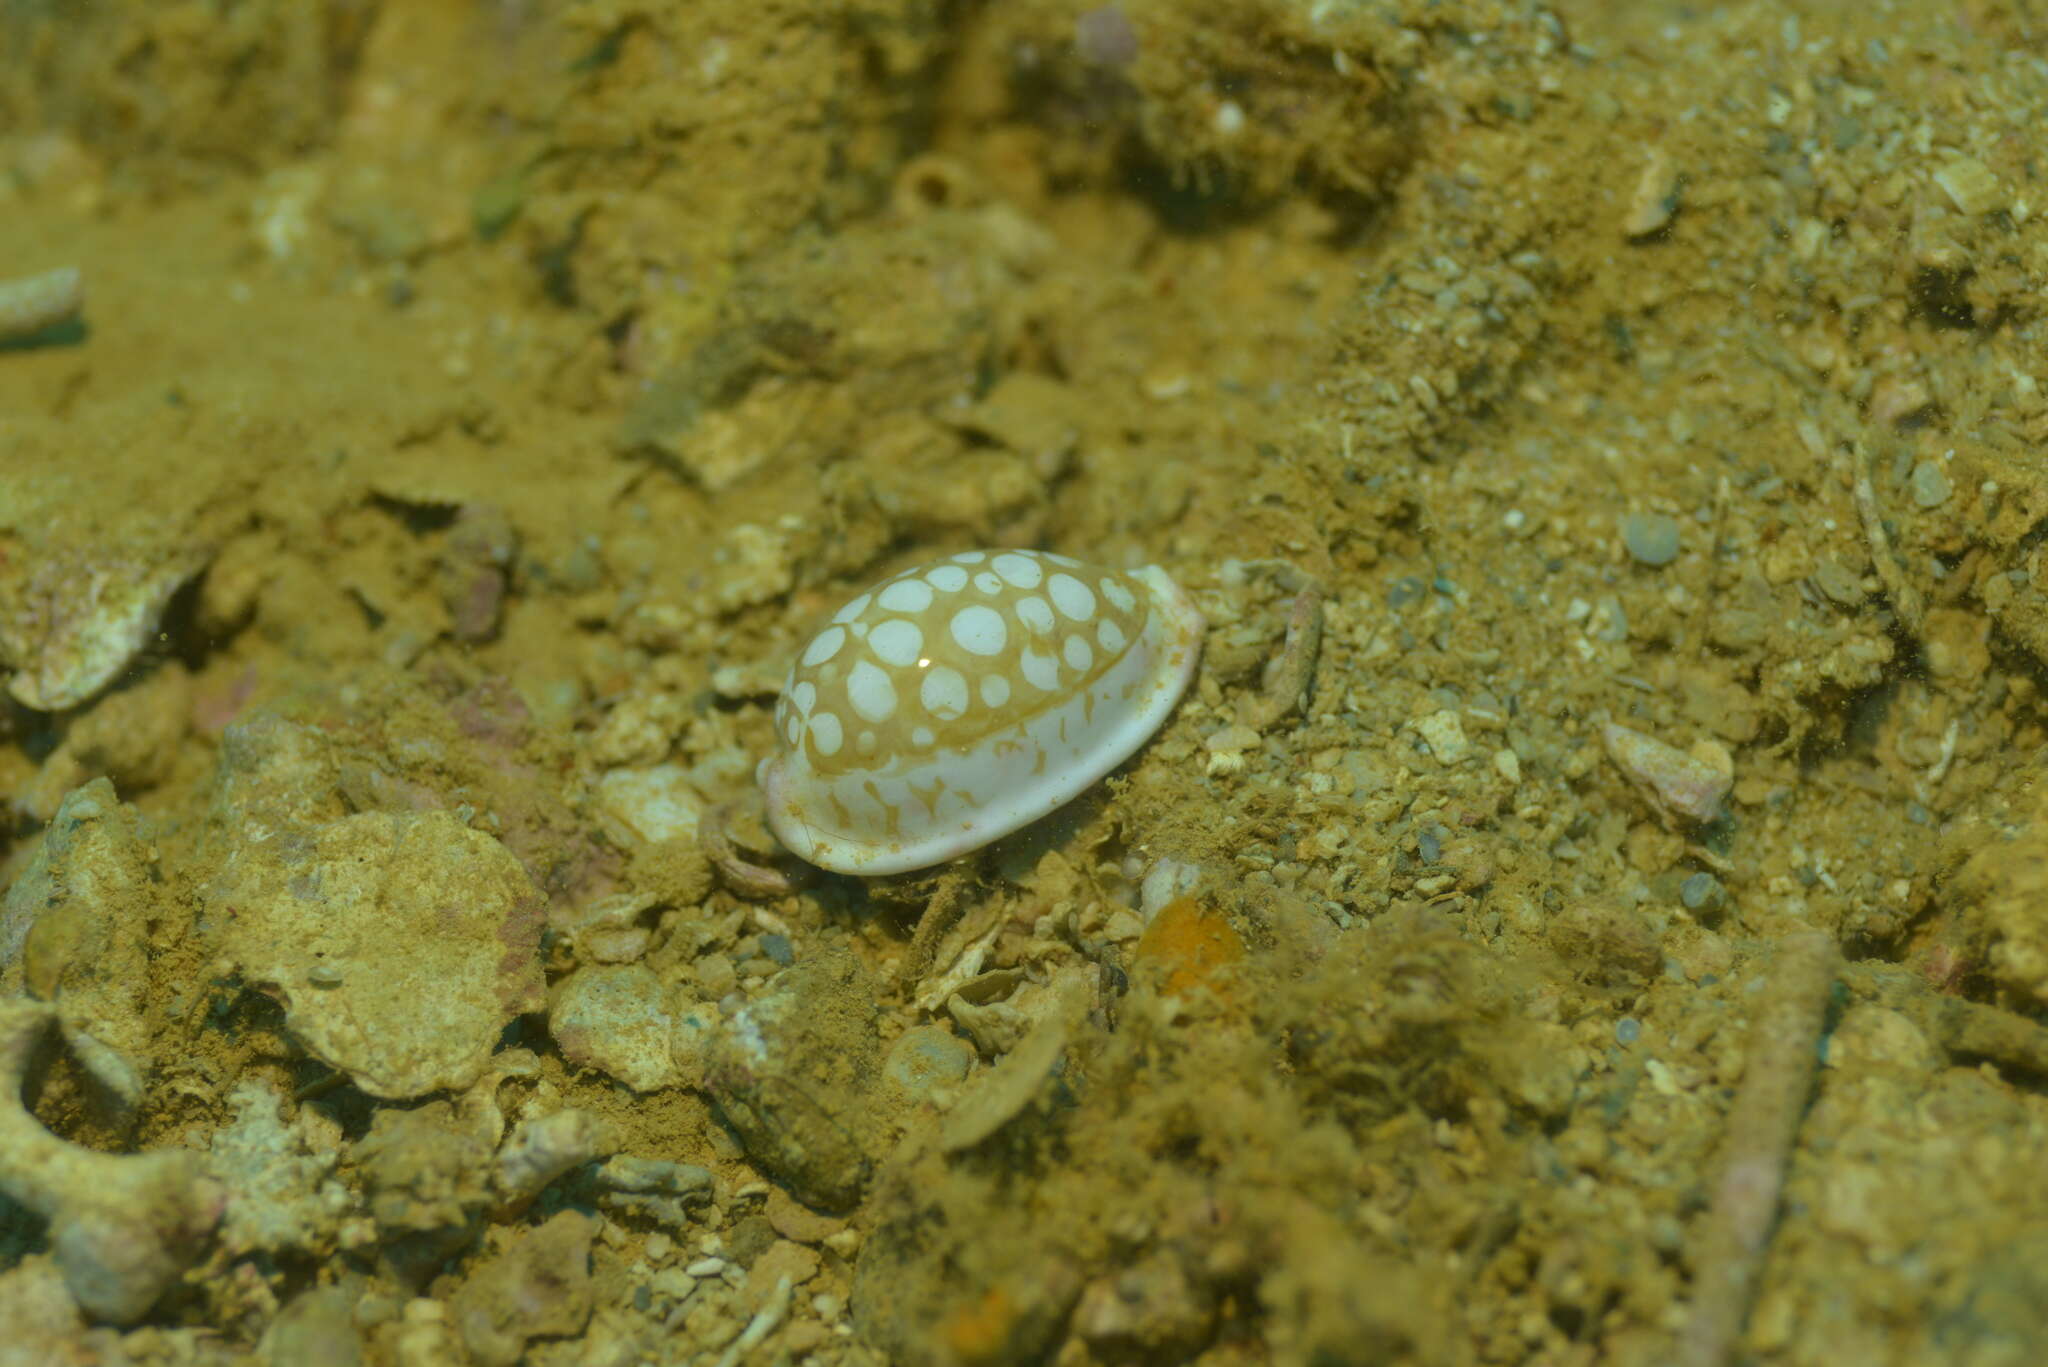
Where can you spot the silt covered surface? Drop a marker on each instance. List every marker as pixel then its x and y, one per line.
pixel 1632 419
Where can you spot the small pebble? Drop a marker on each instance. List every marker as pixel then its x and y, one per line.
pixel 1655 200
pixel 1700 890
pixel 1445 735
pixel 1838 583
pixel 1628 1030
pixel 33 303
pixel 1931 486
pixel 777 948
pixel 1971 186
pixel 1652 538
pixel 1404 591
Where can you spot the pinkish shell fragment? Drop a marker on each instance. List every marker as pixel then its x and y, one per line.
pixel 1689 785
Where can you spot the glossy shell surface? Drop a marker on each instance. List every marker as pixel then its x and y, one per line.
pixel 954 703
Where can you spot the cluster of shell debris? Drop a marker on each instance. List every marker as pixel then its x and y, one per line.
pixel 398 1006
pixel 362 928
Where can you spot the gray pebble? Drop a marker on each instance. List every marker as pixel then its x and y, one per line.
pixel 1931 486
pixel 1837 582
pixel 1652 538
pixel 1628 1030
pixel 927 1058
pixel 1700 890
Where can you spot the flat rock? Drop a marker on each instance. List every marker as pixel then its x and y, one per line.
pixel 399 944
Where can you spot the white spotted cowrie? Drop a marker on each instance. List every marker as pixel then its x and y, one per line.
pixel 958 701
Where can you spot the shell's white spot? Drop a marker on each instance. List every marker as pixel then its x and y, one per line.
pixel 865 743
pixel 805 696
pixel 980 630
pixel 1109 635
pixel 995 690
pixel 1040 671
pixel 824 646
pixel 1036 614
pixel 869 690
pixel 1077 653
pixel 1059 559
pixel 922 738
pixel 988 582
pixel 793 728
pixel 906 595
pixel 897 642
pixel 853 609
pixel 943 692
pixel 970 557
pixel 947 578
pixel 1021 570
pixel 1072 597
pixel 826 733
pixel 1120 597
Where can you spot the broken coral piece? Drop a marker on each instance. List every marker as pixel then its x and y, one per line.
pixel 75 933
pixel 122 1227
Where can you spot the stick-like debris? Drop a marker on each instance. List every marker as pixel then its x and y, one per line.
pixel 1784 1036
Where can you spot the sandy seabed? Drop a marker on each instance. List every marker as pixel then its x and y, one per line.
pixel 1591 905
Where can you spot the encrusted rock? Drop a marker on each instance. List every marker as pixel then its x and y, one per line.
pixel 132 735
pixel 791 1074
pixel 427 1180
pixel 654 1188
pixel 75 932
pixel 400 945
pixel 616 1018
pixel 537 1288
pixel 1152 1308
pixel 285 1196
pixel 544 1148
pixel 1999 894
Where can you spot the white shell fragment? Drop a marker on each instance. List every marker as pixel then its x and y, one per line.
pixel 959 701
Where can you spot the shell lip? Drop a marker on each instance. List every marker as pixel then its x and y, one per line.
pixel 1183 628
